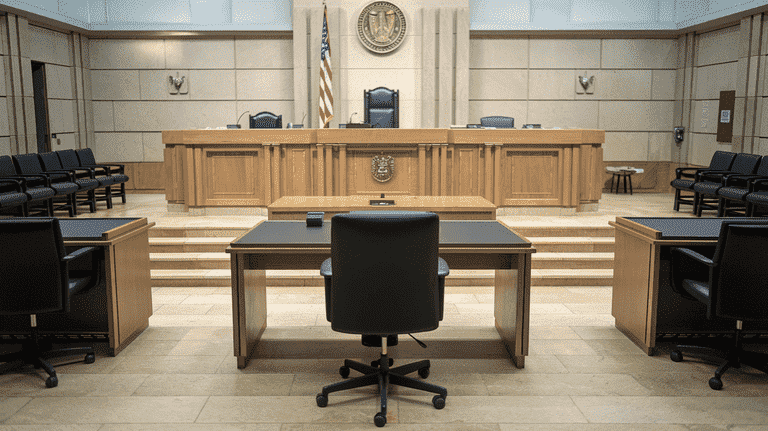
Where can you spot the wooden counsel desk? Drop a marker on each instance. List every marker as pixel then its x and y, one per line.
pixel 116 310
pixel 646 308
pixel 447 207
pixel 508 167
pixel 463 244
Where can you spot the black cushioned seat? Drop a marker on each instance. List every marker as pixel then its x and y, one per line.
pixel 383 279
pixel 69 160
pixel 382 107
pixel 732 285
pixel 33 186
pixel 735 189
pixel 37 279
pixel 266 120
pixel 498 121
pixel 29 164
pixel 686 177
pixel 757 196
pixel 52 164
pixel 115 170
pixel 12 195
pixel 710 181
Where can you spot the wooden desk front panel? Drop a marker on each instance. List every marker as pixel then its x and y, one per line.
pixel 132 285
pixel 360 181
pixel 232 176
pixel 532 177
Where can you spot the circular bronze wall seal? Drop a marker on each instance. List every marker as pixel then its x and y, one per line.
pixel 381 27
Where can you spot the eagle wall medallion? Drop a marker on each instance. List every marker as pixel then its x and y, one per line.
pixel 381 27
pixel 382 168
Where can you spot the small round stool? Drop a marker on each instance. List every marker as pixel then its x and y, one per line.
pixel 622 172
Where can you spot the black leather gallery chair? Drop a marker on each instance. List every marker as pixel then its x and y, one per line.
pixel 115 170
pixel 735 189
pixel 52 166
pixel 685 177
pixel 64 199
pixel 757 198
pixel 382 107
pixel 705 190
pixel 35 279
pixel 12 196
pixel 384 278
pixel 34 187
pixel 69 161
pixel 732 284
pixel 266 120
pixel 498 122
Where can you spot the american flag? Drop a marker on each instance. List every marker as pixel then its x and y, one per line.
pixel 326 76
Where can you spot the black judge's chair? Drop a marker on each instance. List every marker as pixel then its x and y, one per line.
pixel 498 121
pixel 266 120
pixel 384 278
pixel 35 279
pixel 732 284
pixel 382 107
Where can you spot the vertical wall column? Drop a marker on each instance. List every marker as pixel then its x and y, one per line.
pixel 300 67
pixel 19 93
pixel 428 58
pixel 686 46
pixel 749 87
pixel 462 67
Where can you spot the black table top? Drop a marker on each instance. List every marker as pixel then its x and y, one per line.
pixel 684 227
pixel 86 229
pixel 452 233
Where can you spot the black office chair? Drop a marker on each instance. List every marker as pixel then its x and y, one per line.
pixel 498 122
pixel 686 177
pixel 384 278
pixel 35 279
pixel 706 188
pixel 266 120
pixel 733 285
pixel 382 107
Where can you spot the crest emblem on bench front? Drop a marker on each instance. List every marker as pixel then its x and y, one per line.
pixel 382 168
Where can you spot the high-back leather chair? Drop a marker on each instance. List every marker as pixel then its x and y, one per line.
pixel 498 122
pixel 383 279
pixel 266 120
pixel 686 177
pixel 705 190
pixel 382 107
pixel 732 284
pixel 69 160
pixel 35 279
pixel 115 170
pixel 64 199
pixel 35 187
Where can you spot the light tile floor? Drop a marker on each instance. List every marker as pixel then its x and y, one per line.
pixel 581 375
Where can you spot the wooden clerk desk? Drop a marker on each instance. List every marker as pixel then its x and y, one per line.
pixel 646 308
pixel 116 310
pixel 463 244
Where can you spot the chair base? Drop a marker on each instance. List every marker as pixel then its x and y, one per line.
pixel 727 358
pixel 383 376
pixel 31 354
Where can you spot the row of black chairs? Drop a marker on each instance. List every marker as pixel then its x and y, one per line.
pixel 732 184
pixel 40 184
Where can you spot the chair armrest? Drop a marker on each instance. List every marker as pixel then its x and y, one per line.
pixel 325 269
pixel 120 167
pixel 77 254
pixel 753 185
pixel 734 178
pixel 69 173
pixel 89 171
pixel 26 177
pixel 687 264
pixel 680 172
pixel 442 267
pixel 18 182
pixel 698 257
pixel 712 174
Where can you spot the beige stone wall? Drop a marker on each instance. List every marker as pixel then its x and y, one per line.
pixel 133 104
pixel 534 80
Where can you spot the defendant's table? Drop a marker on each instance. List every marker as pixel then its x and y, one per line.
pixel 463 244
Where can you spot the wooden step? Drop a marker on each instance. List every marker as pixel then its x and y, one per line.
pixel 558 231
pixel 196 232
pixel 572 244
pixel 189 245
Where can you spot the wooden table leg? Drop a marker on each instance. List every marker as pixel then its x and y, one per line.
pixel 249 307
pixel 512 300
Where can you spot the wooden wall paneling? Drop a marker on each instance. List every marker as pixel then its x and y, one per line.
pixel 435 170
pixel 329 174
pixel 565 178
pixel 277 172
pixel 343 170
pixel 444 170
pixel 189 178
pixel 422 175
pixel 266 160
pixel 199 179
pixel 488 192
pixel 149 176
pixel 320 170
pixel 170 172
pixel 296 171
pixel 576 177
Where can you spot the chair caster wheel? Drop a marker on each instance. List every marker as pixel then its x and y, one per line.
pixel 344 371
pixel 438 401
pixel 322 400
pixel 52 382
pixel 676 356
pixel 715 383
pixel 89 358
pixel 380 420
pixel 424 372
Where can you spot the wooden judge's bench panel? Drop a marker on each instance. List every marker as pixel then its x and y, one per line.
pixel 510 168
